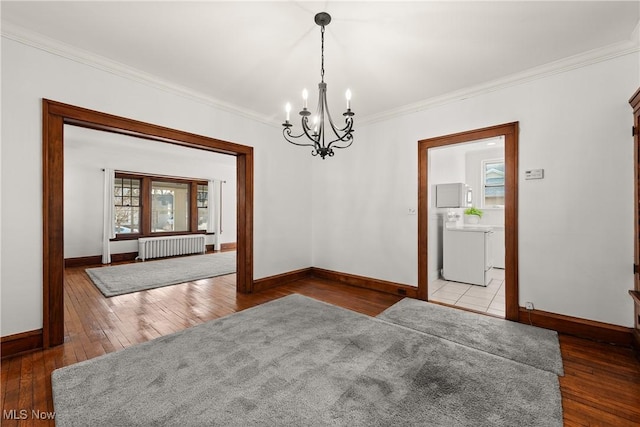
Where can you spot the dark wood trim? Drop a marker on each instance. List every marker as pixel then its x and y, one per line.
pixel 510 132
pixel 582 328
pixel 53 227
pixel 636 321
pixel 230 246
pixel 634 101
pixel 244 233
pixel 54 116
pixel 423 222
pixel 193 208
pixel 83 261
pixel 125 256
pixel 156 177
pixel 281 279
pixel 635 293
pixel 97 259
pixel 365 282
pixel 20 343
pixel 145 197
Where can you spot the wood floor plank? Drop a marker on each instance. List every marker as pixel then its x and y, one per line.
pixel 601 386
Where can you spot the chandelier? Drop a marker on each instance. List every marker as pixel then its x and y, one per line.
pixel 314 134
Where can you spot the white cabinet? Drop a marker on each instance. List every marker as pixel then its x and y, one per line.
pixel 467 254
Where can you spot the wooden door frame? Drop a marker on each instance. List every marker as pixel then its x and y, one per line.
pixel 634 101
pixel 510 132
pixel 54 116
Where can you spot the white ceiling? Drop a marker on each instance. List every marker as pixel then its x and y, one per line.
pixel 256 56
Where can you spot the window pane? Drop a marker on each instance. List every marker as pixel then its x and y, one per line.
pixel 493 177
pixel 169 206
pixel 203 203
pixel 126 209
pixel 494 173
pixel 203 218
pixel 203 195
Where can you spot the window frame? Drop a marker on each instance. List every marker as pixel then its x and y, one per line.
pixel 483 182
pixel 146 209
pixel 139 206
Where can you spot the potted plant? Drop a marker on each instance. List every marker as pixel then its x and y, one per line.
pixel 473 215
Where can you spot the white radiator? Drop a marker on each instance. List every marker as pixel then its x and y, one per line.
pixel 155 247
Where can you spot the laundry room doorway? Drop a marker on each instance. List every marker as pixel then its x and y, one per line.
pixel 469 261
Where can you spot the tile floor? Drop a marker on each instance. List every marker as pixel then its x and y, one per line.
pixel 487 299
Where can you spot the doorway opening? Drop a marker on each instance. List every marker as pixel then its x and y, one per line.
pixel 501 203
pixel 55 116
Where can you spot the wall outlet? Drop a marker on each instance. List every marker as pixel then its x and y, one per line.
pixel 528 305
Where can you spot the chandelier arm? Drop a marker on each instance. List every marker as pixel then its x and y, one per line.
pixel 305 123
pixel 348 125
pixel 342 146
pixel 305 131
pixel 346 137
pixel 286 132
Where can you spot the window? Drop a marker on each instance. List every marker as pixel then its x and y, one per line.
pixel 493 183
pixel 127 205
pixel 202 200
pixel 148 205
pixel 169 206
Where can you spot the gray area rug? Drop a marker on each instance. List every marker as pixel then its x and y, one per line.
pixel 533 346
pixel 139 276
pixel 300 362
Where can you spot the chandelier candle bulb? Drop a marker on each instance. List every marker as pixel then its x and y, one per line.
pixel 348 96
pixel 305 96
pixel 287 108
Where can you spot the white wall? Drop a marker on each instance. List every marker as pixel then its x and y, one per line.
pixel 575 225
pixel 87 152
pixel 282 229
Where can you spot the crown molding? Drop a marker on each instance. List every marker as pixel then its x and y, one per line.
pixel 55 47
pixel 563 65
pixel 39 41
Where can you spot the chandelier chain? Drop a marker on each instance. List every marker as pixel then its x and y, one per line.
pixel 322 54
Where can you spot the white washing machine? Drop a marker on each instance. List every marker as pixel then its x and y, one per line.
pixel 467 255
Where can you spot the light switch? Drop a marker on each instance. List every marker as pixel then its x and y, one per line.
pixel 411 211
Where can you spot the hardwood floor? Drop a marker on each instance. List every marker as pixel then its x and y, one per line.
pixel 601 386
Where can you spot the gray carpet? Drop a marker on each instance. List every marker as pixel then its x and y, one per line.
pixel 533 346
pixel 139 276
pixel 299 362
